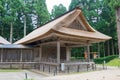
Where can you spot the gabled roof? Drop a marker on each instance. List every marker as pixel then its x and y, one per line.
pixel 62 25
pixel 3 41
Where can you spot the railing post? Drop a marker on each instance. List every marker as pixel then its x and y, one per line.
pixel 78 67
pixel 87 66
pixel 43 68
pixel 10 66
pixel 68 69
pixel 26 77
pixel 49 68
pixel 55 71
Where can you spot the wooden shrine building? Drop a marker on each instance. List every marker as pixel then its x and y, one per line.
pixel 52 42
pixel 54 39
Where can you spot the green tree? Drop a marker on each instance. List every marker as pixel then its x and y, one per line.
pixel 41 12
pixel 26 11
pixel 21 16
pixel 115 4
pixel 58 10
pixel 10 16
pixel 1 11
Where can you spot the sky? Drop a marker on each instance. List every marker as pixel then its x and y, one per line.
pixel 51 3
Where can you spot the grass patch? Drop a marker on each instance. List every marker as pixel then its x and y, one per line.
pixel 106 59
pixel 28 79
pixel 114 62
pixel 10 70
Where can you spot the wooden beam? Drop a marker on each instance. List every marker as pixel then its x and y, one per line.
pixel 79 45
pixel 73 42
pixel 47 43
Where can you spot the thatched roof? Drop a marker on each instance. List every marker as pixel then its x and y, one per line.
pixel 72 25
pixel 3 41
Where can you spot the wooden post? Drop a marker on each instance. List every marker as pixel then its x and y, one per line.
pixel 2 55
pixel 68 53
pixel 31 56
pixel 21 55
pixel 88 53
pixel 40 53
pixel 58 52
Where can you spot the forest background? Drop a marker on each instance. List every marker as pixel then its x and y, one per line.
pixel 19 17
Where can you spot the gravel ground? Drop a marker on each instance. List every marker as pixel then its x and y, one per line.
pixel 20 75
pixel 113 74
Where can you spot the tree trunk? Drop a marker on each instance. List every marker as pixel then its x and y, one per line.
pixel 24 25
pixel 11 31
pixel 118 27
pixel 103 49
pixel 2 31
pixel 108 47
pixel 98 44
pixel 113 51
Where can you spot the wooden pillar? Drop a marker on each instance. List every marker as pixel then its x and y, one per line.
pixel 58 52
pixel 68 53
pixel 88 53
pixel 2 55
pixel 40 53
pixel 21 55
pixel 31 58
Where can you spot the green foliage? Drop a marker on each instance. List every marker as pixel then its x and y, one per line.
pixel 77 58
pixel 113 3
pixel 114 62
pixel 77 52
pixel 14 11
pixel 1 7
pixel 58 10
pixel 41 11
pixel 106 59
